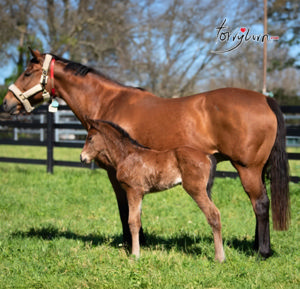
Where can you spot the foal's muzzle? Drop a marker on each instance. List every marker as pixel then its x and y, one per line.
pixel 83 160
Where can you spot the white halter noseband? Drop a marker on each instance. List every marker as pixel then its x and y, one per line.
pixel 23 96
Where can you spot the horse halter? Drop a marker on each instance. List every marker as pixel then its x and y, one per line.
pixel 23 96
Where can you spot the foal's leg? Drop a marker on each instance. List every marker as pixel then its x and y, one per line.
pixel 195 178
pixel 213 217
pixel 123 209
pixel 252 182
pixel 134 202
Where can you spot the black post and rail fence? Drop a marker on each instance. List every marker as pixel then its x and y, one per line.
pixel 50 126
pixel 28 123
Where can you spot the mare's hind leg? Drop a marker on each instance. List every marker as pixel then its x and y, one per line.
pixel 196 171
pixel 253 184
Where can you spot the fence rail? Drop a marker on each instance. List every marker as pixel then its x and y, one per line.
pixel 51 138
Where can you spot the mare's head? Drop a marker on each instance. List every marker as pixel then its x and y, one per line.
pixel 27 91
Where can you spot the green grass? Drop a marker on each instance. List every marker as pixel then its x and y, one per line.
pixel 63 231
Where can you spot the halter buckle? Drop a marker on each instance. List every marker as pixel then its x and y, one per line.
pixel 44 79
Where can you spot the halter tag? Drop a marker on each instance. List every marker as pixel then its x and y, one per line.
pixel 53 106
pixel 46 95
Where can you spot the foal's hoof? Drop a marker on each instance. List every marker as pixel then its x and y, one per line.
pixel 220 257
pixel 220 260
pixel 135 257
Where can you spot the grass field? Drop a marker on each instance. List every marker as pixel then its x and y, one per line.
pixel 63 231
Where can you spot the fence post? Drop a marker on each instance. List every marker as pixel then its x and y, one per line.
pixel 50 141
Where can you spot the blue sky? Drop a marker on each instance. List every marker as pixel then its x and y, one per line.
pixel 5 72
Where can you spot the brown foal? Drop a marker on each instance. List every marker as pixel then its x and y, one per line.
pixel 141 170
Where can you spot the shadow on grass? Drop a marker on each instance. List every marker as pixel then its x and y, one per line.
pixel 51 233
pixel 243 246
pixel 195 245
pixel 192 245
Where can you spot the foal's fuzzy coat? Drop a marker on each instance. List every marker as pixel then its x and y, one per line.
pixel 141 170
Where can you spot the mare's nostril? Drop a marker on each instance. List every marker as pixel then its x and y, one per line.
pixel 4 104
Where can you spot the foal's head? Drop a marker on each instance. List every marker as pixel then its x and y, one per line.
pixel 105 140
pixel 97 141
pixel 93 147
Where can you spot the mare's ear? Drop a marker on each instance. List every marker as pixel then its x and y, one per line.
pixel 35 53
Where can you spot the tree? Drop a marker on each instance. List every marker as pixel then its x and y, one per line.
pixel 163 46
pixel 17 21
pixel 243 68
pixel 172 47
pixel 82 31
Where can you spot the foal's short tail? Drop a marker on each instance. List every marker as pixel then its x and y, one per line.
pixel 279 173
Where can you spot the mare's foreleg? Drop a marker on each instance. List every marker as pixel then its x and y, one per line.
pixel 123 209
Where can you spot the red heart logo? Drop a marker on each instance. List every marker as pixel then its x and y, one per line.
pixel 243 29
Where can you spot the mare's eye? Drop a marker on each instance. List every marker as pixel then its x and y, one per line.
pixel 89 138
pixel 27 73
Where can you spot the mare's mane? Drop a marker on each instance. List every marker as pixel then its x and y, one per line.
pixel 82 70
pixel 78 68
pixel 123 132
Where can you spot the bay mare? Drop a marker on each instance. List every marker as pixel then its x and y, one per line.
pixel 141 170
pixel 242 126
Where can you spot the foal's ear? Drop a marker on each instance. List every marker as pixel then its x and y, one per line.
pixel 90 123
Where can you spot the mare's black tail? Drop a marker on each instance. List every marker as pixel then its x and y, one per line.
pixel 279 173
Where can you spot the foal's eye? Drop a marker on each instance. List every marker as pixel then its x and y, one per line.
pixel 89 138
